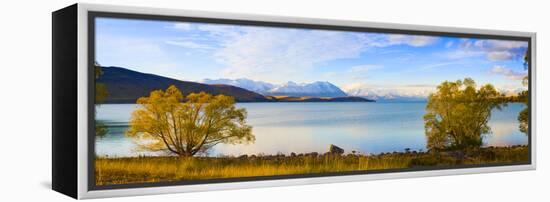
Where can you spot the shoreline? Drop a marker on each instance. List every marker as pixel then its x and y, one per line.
pixel 279 154
pixel 143 169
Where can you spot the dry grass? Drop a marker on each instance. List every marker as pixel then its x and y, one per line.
pixel 156 169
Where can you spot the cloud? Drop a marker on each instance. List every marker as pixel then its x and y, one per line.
pixel 190 44
pixel 507 72
pixel 275 54
pixel 460 54
pixel 501 44
pixel 183 26
pixel 449 44
pixel 223 33
pixel 500 50
pixel 364 68
pixel 499 55
pixel 330 74
pixel 493 50
pixel 127 50
pixel 140 54
pixel 360 72
pixel 435 65
pixel 411 40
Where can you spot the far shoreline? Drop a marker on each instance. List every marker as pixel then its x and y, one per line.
pixel 290 154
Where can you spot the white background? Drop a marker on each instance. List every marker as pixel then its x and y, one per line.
pixel 25 101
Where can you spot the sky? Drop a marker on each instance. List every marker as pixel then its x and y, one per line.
pixel 350 60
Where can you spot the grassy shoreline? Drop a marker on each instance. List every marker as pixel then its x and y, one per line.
pixel 125 170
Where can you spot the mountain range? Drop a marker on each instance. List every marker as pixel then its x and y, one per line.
pixel 315 89
pixel 325 89
pixel 126 86
pixel 251 85
pixel 397 93
pixel 392 94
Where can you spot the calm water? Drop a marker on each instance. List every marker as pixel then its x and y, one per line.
pixel 312 127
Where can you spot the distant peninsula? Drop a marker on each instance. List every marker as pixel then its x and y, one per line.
pixel 317 99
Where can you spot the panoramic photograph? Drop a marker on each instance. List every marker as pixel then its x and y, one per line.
pixel 192 101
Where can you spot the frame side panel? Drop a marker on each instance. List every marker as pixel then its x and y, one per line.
pixel 64 101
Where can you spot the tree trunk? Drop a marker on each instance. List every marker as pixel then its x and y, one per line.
pixel 185 154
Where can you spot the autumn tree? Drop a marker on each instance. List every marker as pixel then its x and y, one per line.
pixel 100 95
pixel 457 114
pixel 185 126
pixel 100 88
pixel 523 116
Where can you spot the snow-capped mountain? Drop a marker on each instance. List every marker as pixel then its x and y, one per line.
pixel 405 93
pixel 510 91
pixel 251 85
pixel 315 89
pixel 391 93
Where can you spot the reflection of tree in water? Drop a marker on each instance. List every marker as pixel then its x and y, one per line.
pixel 458 114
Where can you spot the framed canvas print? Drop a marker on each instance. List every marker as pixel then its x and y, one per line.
pixel 149 101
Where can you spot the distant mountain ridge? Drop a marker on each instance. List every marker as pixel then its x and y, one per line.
pixel 319 99
pixel 251 85
pixel 126 86
pixel 315 89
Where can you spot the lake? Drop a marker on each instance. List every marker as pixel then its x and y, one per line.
pixel 311 127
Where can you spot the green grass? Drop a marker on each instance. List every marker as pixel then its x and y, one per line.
pixel 110 171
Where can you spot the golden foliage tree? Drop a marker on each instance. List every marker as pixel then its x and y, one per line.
pixel 458 113
pixel 100 88
pixel 523 116
pixel 185 126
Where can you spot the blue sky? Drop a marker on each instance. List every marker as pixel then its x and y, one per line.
pixel 350 60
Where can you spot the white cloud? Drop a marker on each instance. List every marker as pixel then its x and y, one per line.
pixel 223 33
pixel 460 54
pixel 276 54
pixel 449 44
pixel 364 68
pixel 411 40
pixel 140 54
pixel 435 65
pixel 507 72
pixel 493 50
pixel 190 44
pixel 183 26
pixel 330 74
pixel 273 55
pixel 124 51
pixel 499 55
pixel 360 72
pixel 501 44
pixel 499 50
pixel 510 90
